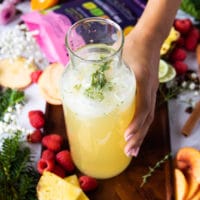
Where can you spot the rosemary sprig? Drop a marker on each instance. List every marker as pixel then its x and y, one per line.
pixel 152 169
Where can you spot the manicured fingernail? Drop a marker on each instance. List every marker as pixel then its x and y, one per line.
pixel 128 153
pixel 132 152
pixel 127 137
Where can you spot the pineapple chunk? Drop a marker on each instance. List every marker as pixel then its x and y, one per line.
pixel 83 197
pixel 74 180
pixel 51 187
pixel 172 37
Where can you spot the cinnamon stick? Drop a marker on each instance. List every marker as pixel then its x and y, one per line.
pixel 198 58
pixel 192 120
pixel 198 54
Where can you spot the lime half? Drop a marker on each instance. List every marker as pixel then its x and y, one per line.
pixel 163 68
pixel 171 73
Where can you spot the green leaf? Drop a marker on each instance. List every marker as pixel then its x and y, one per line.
pixel 191 7
pixel 9 98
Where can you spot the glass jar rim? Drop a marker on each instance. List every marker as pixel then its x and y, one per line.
pixel 95 19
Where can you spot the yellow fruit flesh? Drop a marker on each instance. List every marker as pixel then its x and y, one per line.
pixel 181 186
pixel 52 187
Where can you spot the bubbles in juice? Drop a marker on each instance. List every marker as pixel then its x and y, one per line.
pixel 96 127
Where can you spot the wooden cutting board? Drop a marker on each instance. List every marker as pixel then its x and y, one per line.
pixel 126 186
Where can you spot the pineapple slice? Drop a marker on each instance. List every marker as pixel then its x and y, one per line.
pixel 74 180
pixel 172 37
pixel 51 187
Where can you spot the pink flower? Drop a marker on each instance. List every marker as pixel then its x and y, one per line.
pixel 7 12
pixel 14 1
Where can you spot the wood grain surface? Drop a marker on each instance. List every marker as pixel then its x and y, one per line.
pixel 126 186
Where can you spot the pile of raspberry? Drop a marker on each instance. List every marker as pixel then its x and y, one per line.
pixel 187 42
pixel 54 157
pixel 186 78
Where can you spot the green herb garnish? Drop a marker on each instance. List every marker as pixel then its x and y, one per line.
pixel 98 82
pixel 8 98
pixel 152 169
pixel 18 178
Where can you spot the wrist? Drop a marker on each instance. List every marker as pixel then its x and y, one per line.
pixel 151 38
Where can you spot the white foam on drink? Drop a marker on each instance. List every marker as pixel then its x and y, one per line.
pixel 120 96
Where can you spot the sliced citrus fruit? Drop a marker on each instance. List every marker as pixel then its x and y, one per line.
pixel 16 73
pixel 181 185
pixel 163 68
pixel 171 73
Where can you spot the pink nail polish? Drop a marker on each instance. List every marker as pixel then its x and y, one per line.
pixel 127 137
pixel 134 151
pixel 128 153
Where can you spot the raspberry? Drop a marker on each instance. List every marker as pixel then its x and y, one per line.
pixel 87 183
pixel 48 154
pixel 52 142
pixel 178 54
pixel 65 160
pixel 192 38
pixel 180 42
pixel 191 43
pixel 36 118
pixel 35 76
pixel 59 171
pixel 194 32
pixel 182 25
pixel 45 165
pixel 180 67
pixel 35 136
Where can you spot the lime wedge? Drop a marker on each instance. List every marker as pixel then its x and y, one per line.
pixel 163 68
pixel 171 73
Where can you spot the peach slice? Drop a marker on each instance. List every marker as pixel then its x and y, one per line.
pixel 188 160
pixel 49 83
pixel 181 185
pixel 15 73
pixel 193 186
pixel 196 196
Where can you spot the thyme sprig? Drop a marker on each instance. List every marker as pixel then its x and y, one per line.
pixel 152 169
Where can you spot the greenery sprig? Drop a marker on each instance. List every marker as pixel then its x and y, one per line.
pixel 169 93
pixel 18 178
pixel 98 82
pixel 152 169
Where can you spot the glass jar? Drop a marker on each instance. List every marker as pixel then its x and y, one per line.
pixel 98 94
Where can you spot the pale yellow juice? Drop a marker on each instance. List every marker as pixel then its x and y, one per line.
pixel 96 128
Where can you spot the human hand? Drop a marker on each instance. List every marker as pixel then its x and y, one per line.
pixel 142 55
